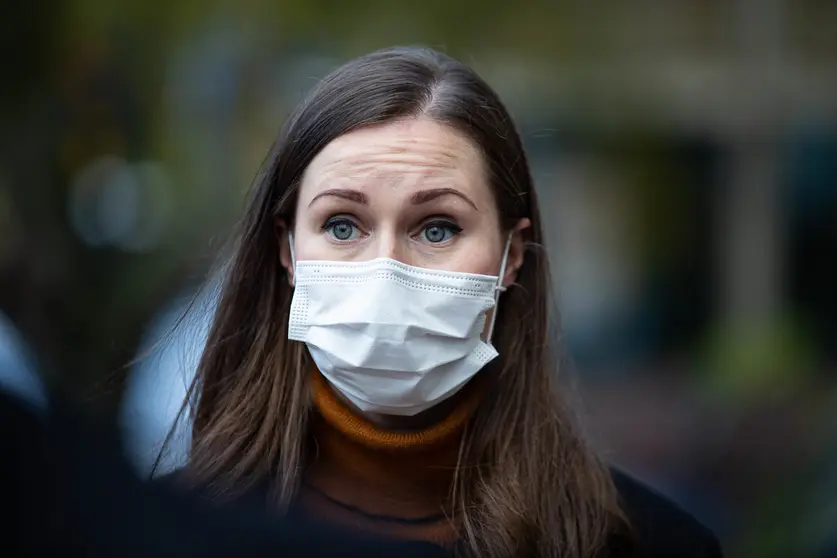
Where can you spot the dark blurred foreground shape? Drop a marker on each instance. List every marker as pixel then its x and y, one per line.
pixel 68 491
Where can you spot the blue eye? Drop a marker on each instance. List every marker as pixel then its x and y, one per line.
pixel 438 232
pixel 341 229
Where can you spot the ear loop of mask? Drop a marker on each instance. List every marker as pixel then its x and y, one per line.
pixel 291 246
pixel 499 289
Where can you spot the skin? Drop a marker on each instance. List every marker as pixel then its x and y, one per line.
pixel 412 190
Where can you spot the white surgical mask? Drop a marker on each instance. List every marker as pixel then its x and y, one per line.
pixel 392 338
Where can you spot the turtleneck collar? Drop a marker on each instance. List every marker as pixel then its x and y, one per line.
pixel 399 481
pixel 360 430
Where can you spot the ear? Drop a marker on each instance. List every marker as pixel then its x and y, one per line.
pixel 285 249
pixel 517 249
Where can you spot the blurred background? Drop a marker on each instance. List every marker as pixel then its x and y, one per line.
pixel 686 157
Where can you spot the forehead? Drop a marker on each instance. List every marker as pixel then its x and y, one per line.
pixel 402 155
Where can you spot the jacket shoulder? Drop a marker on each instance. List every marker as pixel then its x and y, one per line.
pixel 659 526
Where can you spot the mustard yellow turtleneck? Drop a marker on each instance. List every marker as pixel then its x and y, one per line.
pixel 369 478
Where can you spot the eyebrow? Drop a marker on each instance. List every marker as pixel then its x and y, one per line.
pixel 425 196
pixel 350 195
pixel 418 198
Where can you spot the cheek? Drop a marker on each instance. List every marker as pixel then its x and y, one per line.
pixel 481 252
pixel 309 245
pixel 479 259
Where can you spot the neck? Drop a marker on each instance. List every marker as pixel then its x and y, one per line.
pixel 397 480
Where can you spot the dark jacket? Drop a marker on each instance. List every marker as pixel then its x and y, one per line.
pixel 70 492
pixel 659 527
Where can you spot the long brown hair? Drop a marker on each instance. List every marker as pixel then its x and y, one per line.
pixel 526 482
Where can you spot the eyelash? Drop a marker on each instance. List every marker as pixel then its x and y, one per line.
pixel 334 221
pixel 454 229
pixel 443 224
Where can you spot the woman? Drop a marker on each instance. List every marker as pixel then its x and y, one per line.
pixel 380 355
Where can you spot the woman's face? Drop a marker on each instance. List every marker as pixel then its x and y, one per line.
pixel 411 190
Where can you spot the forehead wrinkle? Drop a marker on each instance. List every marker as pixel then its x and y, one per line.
pixel 355 162
pixel 395 155
pixel 384 167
